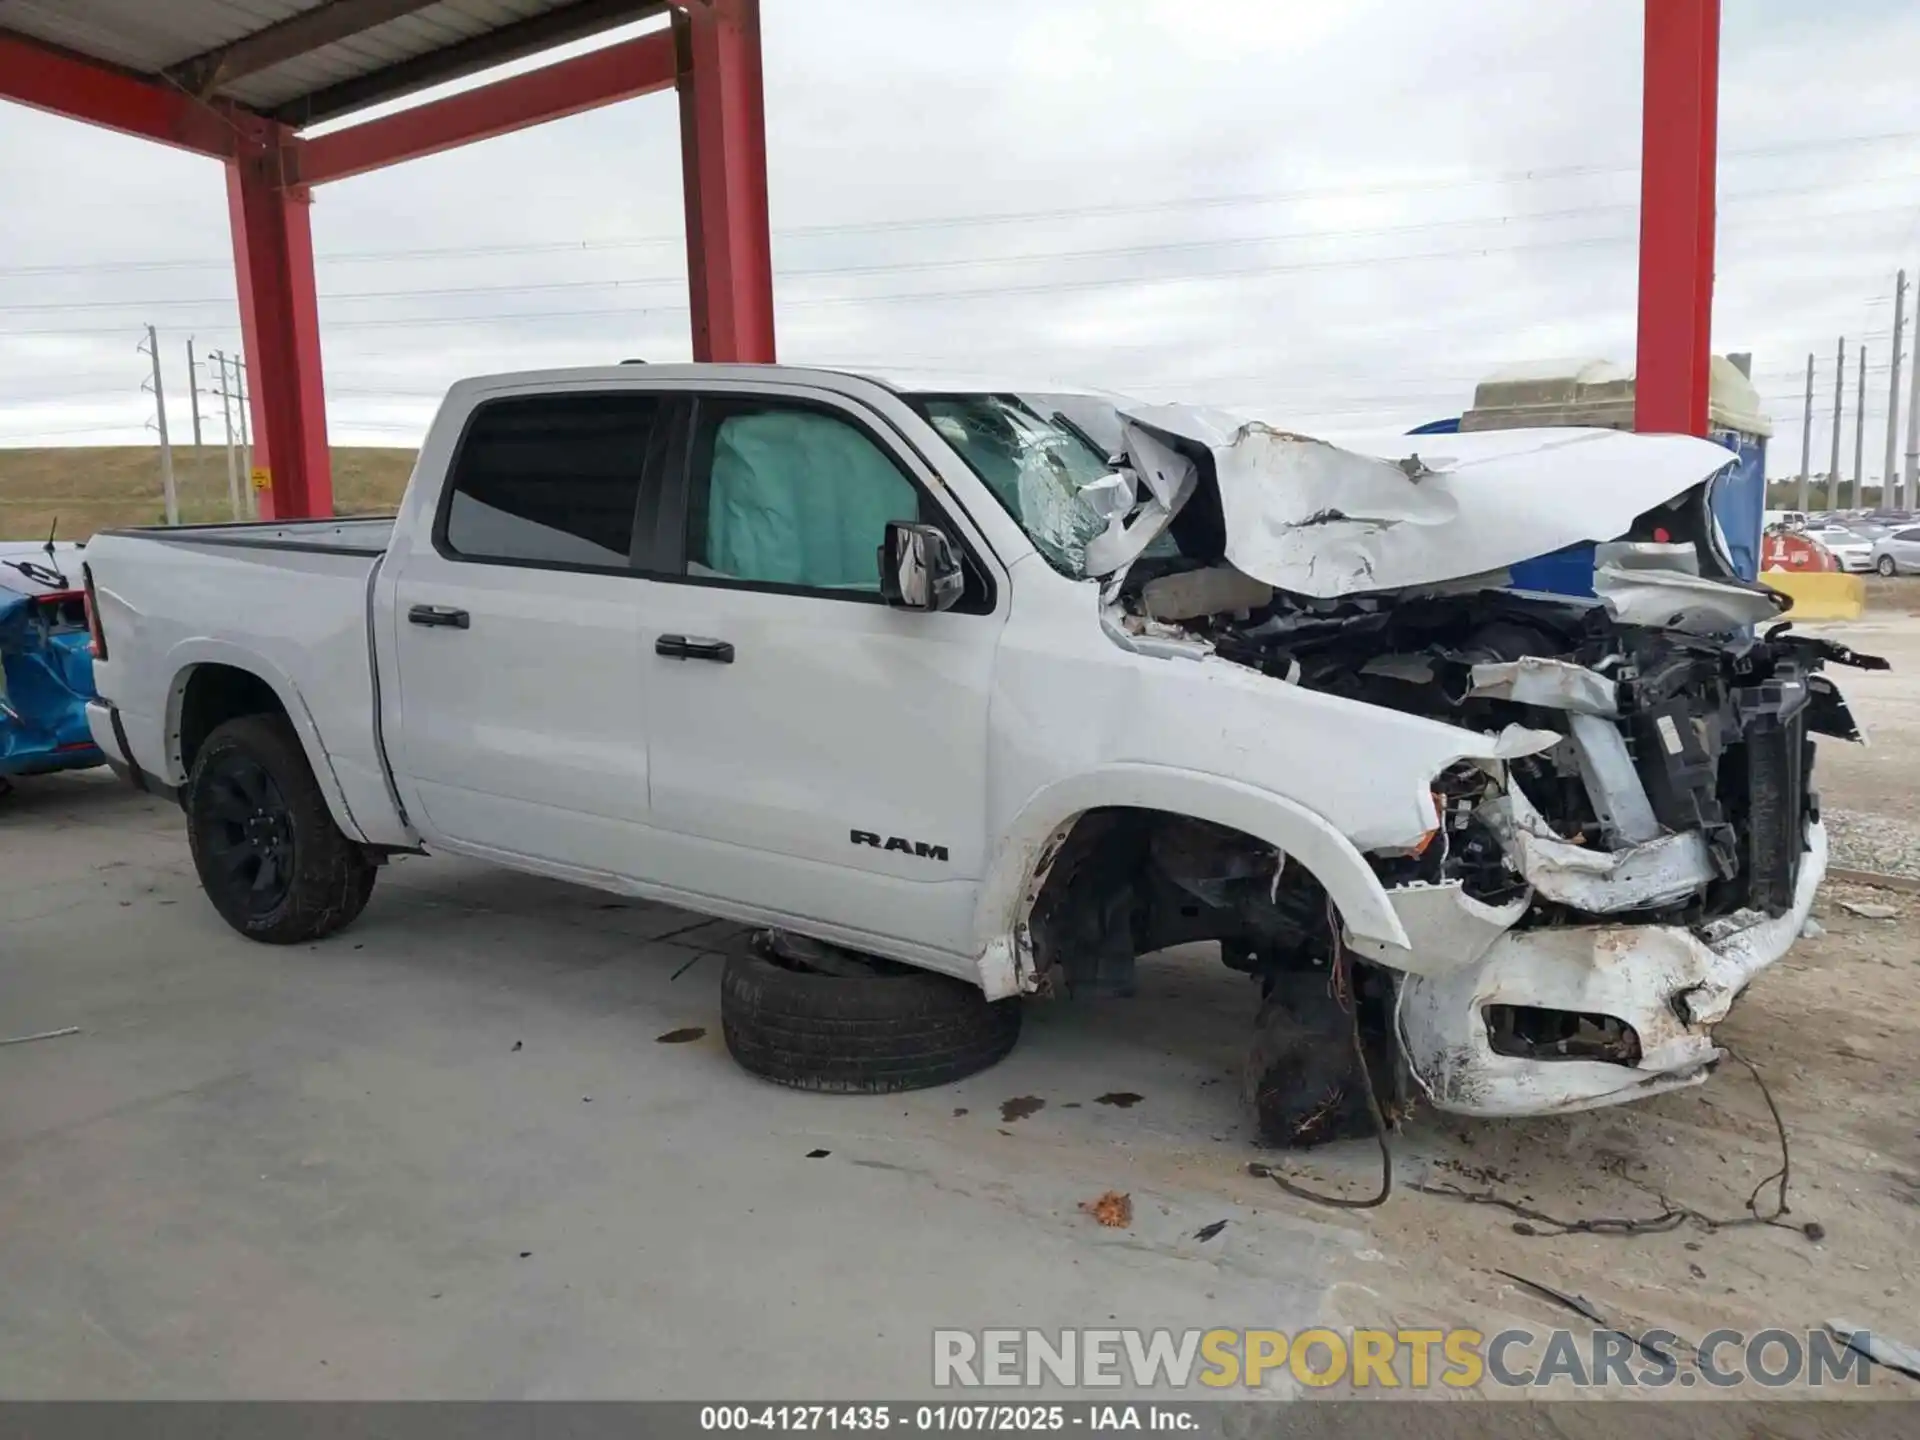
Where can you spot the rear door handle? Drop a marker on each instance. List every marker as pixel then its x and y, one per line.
pixel 683 647
pixel 445 615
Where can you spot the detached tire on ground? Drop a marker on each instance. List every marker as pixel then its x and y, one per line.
pixel 1301 1077
pixel 869 1029
pixel 270 858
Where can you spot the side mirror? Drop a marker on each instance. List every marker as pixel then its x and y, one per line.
pixel 918 569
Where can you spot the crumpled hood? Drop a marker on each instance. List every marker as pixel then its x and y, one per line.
pixel 1320 520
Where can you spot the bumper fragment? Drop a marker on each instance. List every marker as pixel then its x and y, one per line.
pixel 1671 985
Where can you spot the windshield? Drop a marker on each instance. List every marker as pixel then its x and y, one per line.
pixel 1044 457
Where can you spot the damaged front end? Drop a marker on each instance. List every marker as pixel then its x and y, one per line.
pixel 1583 916
pixel 1579 918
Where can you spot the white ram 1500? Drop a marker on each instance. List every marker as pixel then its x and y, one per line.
pixel 1014 687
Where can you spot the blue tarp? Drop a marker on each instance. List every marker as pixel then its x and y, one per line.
pixel 48 679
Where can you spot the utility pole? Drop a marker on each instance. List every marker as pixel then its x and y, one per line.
pixel 1839 398
pixel 1806 437
pixel 152 347
pixel 1889 481
pixel 1860 429
pixel 1908 489
pixel 226 415
pixel 193 389
pixel 240 388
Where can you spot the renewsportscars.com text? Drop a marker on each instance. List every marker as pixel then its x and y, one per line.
pixel 1415 1359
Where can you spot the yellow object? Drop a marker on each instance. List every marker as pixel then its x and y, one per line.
pixel 260 478
pixel 1819 594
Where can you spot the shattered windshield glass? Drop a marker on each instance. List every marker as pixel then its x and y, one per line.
pixel 1044 465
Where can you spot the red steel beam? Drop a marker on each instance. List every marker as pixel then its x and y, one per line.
pixel 279 323
pixel 723 165
pixel 55 80
pixel 1679 137
pixel 601 77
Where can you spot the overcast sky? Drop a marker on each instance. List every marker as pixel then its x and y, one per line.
pixel 1336 215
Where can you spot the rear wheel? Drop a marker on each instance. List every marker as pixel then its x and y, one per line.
pixel 270 858
pixel 1886 566
pixel 819 1018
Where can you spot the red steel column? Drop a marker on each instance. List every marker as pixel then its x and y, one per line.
pixel 723 163
pixel 279 323
pixel 1678 140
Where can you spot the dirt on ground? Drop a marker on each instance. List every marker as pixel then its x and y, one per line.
pixel 1834 1030
pixel 89 488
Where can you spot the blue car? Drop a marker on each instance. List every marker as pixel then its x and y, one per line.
pixel 46 662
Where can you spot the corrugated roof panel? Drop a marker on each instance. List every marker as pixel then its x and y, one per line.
pixel 410 36
pixel 420 33
pixel 141 34
pixel 152 35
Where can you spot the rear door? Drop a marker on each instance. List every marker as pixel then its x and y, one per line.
pixel 1905 545
pixel 812 750
pixel 523 693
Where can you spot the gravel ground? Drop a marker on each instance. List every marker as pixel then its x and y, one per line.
pixel 1871 793
pixel 1878 843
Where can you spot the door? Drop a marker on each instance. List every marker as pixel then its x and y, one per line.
pixel 522 692
pixel 812 750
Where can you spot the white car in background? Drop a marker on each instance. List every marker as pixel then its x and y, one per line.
pixel 1853 550
pixel 1898 552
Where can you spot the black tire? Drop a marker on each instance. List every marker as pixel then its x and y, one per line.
pixel 896 1029
pixel 270 858
pixel 1301 1076
pixel 1886 565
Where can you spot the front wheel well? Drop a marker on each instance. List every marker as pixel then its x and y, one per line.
pixel 210 696
pixel 1126 881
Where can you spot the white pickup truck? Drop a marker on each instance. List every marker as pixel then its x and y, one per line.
pixel 968 693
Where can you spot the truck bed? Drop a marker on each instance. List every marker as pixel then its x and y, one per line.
pixel 285 600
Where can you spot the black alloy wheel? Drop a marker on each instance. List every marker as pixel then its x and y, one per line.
pixel 247 836
pixel 270 856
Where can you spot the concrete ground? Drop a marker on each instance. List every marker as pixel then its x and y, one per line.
pixel 445 1154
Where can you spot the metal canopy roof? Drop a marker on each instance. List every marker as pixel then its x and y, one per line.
pixel 304 61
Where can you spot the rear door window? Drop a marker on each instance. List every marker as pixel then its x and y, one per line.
pixel 550 480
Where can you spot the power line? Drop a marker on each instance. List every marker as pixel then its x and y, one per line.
pixel 1036 258
pixel 985 292
pixel 1457 252
pixel 1017 217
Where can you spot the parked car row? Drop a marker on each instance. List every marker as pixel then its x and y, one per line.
pixel 1884 542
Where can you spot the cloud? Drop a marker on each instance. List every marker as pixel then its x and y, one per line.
pixel 1341 215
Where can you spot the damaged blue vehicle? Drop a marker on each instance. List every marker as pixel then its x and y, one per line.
pixel 46 662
